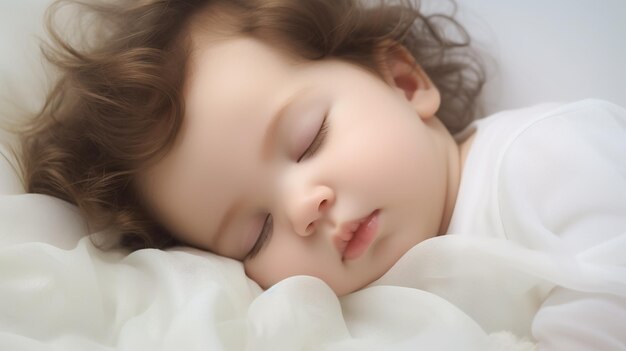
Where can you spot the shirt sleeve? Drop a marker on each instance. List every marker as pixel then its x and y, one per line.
pixel 563 191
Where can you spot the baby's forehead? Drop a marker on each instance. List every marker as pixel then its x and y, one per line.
pixel 235 72
pixel 221 20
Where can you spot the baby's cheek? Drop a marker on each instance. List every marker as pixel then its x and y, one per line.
pixel 268 268
pixel 255 274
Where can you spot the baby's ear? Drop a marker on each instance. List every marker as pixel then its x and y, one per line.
pixel 402 73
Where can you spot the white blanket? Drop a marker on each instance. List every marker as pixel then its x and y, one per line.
pixel 84 299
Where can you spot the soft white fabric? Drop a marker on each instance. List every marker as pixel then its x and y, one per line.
pixel 551 181
pixel 84 299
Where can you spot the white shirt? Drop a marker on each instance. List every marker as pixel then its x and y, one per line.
pixel 552 178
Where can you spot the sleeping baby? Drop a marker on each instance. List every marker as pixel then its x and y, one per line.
pixel 332 139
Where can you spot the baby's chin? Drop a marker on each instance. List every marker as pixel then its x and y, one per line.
pixel 343 288
pixel 340 282
pixel 340 288
pixel 342 291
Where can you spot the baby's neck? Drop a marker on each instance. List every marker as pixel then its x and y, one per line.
pixel 458 151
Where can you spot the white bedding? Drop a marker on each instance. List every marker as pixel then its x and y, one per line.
pixel 57 292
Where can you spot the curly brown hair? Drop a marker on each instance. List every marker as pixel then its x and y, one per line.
pixel 118 104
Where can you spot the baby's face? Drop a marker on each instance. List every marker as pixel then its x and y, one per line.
pixel 334 163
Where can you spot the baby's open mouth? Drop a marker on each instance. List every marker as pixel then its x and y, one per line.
pixel 356 236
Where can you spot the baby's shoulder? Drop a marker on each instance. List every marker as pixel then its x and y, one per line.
pixel 517 123
pixel 546 168
pixel 566 169
pixel 548 136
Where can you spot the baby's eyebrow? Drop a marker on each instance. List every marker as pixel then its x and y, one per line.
pixel 270 133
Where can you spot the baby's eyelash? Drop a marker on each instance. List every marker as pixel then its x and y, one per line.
pixel 266 233
pixel 318 141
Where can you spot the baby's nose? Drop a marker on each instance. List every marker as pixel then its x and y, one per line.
pixel 310 208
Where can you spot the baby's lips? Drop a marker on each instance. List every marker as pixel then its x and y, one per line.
pixel 362 238
pixel 346 232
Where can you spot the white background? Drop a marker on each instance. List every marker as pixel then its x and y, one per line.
pixel 556 50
